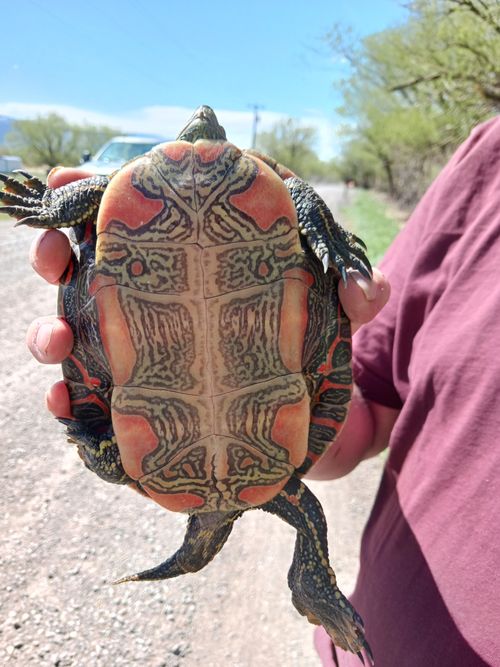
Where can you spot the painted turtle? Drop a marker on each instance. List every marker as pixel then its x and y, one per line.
pixel 211 365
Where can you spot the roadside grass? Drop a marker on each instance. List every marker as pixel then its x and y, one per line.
pixel 374 219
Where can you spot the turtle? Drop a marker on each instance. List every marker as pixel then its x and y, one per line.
pixel 211 366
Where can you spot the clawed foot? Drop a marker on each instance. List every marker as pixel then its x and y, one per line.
pixel 315 593
pixel 331 609
pixel 23 199
pixel 332 244
pixel 36 205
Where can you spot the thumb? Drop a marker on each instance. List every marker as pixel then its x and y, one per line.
pixel 363 299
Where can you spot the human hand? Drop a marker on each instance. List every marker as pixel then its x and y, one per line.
pixel 50 339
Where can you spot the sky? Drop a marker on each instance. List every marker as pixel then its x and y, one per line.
pixel 144 66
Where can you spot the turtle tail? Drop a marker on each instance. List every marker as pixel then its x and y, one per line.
pixel 206 534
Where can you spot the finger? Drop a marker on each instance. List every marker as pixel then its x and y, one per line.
pixel 57 400
pixel 49 339
pixel 363 299
pixel 50 254
pixel 60 176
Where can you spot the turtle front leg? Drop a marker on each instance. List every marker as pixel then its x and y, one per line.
pixel 34 204
pixel 206 534
pixel 329 241
pixel 312 581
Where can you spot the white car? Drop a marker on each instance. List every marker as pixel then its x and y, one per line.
pixel 10 163
pixel 116 152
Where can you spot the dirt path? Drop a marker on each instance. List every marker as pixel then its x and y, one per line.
pixel 66 535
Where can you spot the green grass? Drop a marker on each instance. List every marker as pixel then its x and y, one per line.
pixel 373 220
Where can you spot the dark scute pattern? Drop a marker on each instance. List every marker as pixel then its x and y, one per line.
pixel 147 267
pixel 247 266
pixel 193 190
pixel 327 361
pixel 175 422
pixel 342 354
pixel 163 338
pixel 341 376
pixel 171 182
pixel 249 467
pixel 252 415
pixel 223 222
pixel 178 483
pixel 248 330
pixel 322 327
pixel 187 475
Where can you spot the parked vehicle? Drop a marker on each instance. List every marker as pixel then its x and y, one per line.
pixel 116 152
pixel 10 163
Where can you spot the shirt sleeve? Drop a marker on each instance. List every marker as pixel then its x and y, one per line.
pixel 373 344
pixel 419 265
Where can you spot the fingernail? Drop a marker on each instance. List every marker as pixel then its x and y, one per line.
pixel 35 247
pixel 42 338
pixel 368 286
pixel 53 171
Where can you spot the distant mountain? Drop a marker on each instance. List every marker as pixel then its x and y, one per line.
pixel 5 126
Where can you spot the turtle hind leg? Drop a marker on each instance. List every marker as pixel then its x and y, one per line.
pixel 312 581
pixel 99 451
pixel 206 534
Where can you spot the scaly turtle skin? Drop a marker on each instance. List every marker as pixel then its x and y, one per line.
pixel 211 365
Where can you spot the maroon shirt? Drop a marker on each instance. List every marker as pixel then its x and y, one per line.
pixel 429 583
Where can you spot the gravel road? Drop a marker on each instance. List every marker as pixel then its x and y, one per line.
pixel 67 535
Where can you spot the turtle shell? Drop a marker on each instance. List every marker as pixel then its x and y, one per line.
pixel 216 325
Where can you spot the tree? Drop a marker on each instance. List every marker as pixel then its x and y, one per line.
pixel 415 91
pixel 50 140
pixel 292 144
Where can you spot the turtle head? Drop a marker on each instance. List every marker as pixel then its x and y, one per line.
pixel 203 124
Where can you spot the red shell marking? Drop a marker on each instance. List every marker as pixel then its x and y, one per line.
pixel 203 296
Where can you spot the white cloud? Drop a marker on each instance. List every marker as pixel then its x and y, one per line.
pixel 168 120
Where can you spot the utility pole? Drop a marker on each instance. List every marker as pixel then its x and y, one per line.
pixel 256 119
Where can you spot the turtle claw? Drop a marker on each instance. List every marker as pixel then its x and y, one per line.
pixel 326 262
pixel 23 221
pixel 343 274
pixel 359 241
pixel 31 181
pixel 13 186
pixel 31 221
pixel 369 654
pixel 366 652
